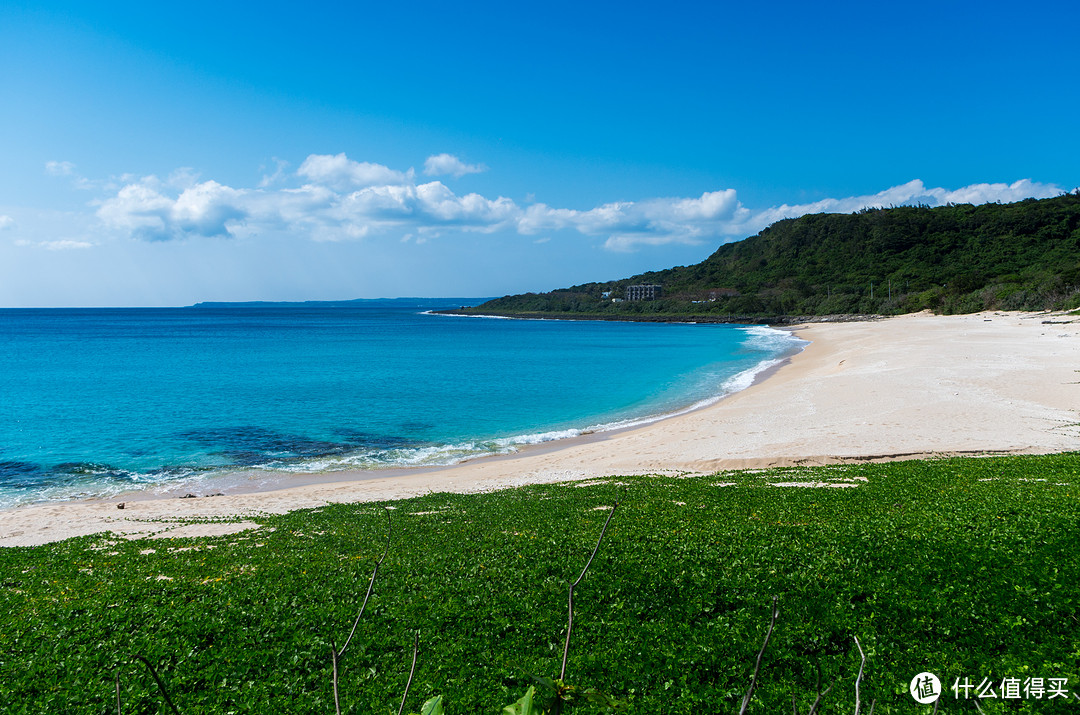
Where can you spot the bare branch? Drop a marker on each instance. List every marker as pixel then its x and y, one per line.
pixel 820 695
pixel 859 678
pixel 936 703
pixel 333 660
pixel 872 704
pixel 415 648
pixel 976 703
pixel 161 685
pixel 761 653
pixel 118 710
pixel 371 585
pixel 570 617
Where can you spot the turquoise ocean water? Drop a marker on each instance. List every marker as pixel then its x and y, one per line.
pixel 95 402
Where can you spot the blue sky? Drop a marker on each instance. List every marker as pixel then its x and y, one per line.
pixel 164 154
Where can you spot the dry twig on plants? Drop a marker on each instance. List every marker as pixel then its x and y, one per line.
pixel 570 617
pixel 408 684
pixel 820 693
pixel 335 654
pixel 761 653
pixel 334 659
pixel 161 685
pixel 371 584
pixel 858 679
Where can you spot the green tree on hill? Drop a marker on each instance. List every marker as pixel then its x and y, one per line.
pixel 951 259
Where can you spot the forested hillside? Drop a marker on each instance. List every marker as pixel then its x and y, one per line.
pixel 951 259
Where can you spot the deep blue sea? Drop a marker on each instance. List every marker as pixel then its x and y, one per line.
pixel 95 402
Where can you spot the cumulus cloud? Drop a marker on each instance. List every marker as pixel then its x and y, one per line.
pixel 6 222
pixel 332 197
pixel 146 210
pixel 338 202
pixel 650 222
pixel 719 214
pixel 450 165
pixel 343 173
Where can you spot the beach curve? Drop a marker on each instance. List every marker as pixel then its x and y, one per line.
pixel 911 386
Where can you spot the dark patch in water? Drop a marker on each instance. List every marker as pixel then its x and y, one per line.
pixel 87 472
pixel 20 475
pixel 25 475
pixel 251 446
pixel 70 473
pixel 371 440
pixel 85 469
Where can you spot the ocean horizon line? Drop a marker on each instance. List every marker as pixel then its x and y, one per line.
pixel 327 303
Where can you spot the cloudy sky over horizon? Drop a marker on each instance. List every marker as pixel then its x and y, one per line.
pixel 168 156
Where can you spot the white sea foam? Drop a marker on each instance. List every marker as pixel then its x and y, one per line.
pixel 777 343
pixel 765 337
pixel 780 343
pixel 760 337
pixel 461 315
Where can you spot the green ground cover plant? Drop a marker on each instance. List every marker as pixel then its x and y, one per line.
pixel 961 567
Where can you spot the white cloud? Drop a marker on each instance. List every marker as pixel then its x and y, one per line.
pixel 720 215
pixel 342 199
pixel 66 245
pixel 280 165
pixel 146 211
pixel 1003 193
pixel 67 169
pixel 205 208
pixel 329 207
pixel 443 206
pixel 59 168
pixel 911 193
pixel 450 165
pixel 343 173
pixel 62 245
pixel 650 222
pixel 183 178
pixel 6 222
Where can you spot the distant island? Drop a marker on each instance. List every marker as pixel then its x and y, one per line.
pixel 958 258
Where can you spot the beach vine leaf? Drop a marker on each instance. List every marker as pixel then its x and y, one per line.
pixel 526 705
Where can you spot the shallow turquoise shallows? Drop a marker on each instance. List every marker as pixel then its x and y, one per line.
pixel 98 401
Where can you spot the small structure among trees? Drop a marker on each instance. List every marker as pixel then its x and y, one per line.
pixel 644 292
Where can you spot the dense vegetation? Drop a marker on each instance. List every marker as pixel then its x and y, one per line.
pixel 962 567
pixel 951 259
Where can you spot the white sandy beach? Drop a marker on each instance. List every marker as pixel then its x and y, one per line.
pixel 906 387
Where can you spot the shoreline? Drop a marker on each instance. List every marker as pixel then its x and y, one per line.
pixel 911 386
pixel 275 480
pixel 775 321
pixel 256 478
